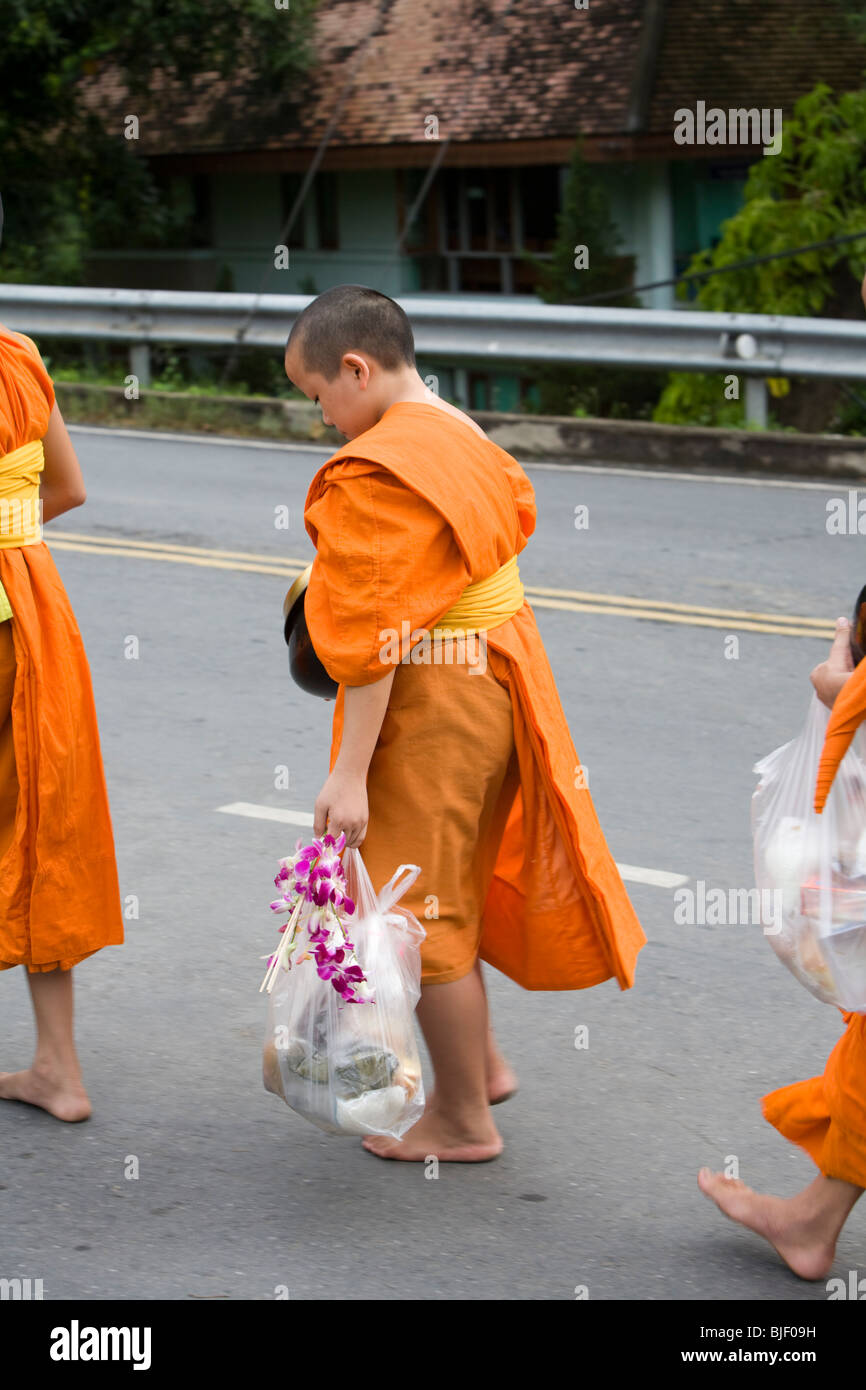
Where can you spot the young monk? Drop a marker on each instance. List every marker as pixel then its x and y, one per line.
pixel 466 770
pixel 827 1114
pixel 59 895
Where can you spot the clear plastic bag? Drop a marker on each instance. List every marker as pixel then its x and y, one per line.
pixel 354 1068
pixel 810 868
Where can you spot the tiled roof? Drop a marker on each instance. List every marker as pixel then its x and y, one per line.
pixel 488 69
pixel 498 70
pixel 745 53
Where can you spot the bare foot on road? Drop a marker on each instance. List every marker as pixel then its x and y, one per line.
pixel 800 1241
pixel 501 1084
pixel 64 1099
pixel 434 1135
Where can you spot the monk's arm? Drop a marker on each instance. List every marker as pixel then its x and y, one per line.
pixel 831 675
pixel 61 485
pixel 342 802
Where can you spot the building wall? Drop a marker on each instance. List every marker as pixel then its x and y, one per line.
pixel 247 215
pixel 640 204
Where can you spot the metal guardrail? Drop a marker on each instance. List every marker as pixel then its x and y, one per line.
pixel 463 330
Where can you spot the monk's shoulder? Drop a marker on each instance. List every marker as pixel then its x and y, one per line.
pixel 459 415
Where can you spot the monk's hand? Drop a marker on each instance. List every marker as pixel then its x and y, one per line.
pixel 831 675
pixel 342 805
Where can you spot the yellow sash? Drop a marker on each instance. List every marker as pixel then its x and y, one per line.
pixel 20 522
pixel 487 604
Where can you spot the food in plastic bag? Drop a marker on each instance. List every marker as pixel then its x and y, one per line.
pixel 340 1046
pixel 814 866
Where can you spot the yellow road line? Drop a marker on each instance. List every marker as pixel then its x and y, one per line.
pixel 676 607
pixel 567 600
pixel 208 562
pixel 781 628
pixel 100 541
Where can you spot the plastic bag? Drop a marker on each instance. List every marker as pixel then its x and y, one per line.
pixel 354 1068
pixel 812 868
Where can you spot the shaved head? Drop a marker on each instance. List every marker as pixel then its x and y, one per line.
pixel 352 318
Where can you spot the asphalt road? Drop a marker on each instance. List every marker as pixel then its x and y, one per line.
pixel 236 1196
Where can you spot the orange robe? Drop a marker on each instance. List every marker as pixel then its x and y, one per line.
pixel 826 1115
pixel 59 894
pixel 403 518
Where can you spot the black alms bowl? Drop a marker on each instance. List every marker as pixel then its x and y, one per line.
pixel 858 629
pixel 306 669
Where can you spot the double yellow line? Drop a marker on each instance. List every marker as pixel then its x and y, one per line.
pixel 568 600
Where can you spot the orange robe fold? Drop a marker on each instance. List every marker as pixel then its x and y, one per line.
pixel 826 1115
pixel 59 894
pixel 403 518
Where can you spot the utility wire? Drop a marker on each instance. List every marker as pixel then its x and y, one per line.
pixel 720 269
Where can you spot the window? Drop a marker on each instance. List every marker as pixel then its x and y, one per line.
pixel 290 187
pixel 326 211
pixel 423 235
pixel 539 200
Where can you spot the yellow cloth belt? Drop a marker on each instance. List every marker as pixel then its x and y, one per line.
pixel 489 603
pixel 20 522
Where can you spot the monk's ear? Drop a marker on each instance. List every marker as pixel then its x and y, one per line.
pixel 358 366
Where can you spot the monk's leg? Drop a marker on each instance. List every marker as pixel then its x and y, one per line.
pixel 501 1080
pixel 457 1125
pixel 54 1080
pixel 802 1229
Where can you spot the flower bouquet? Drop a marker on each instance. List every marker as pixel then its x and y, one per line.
pixel 340 1047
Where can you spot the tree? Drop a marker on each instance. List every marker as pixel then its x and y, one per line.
pixel 814 190
pixel 62 174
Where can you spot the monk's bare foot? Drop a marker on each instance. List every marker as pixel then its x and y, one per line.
pixel 501 1083
pixel 475 1142
pixel 800 1241
pixel 64 1099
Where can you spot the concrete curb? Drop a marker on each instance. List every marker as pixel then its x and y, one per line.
pixel 555 438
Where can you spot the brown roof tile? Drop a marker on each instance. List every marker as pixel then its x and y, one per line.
pixel 488 69
pixel 745 53
pixel 494 70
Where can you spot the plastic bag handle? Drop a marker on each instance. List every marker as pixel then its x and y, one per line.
pixel 394 890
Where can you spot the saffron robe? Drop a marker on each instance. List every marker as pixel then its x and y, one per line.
pixel 826 1115
pixel 404 517
pixel 59 894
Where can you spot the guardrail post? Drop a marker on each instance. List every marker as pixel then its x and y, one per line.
pixel 139 362
pixel 756 402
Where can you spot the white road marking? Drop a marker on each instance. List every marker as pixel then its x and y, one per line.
pixel 659 878
pixel 248 808
pixel 631 873
pixel 832 484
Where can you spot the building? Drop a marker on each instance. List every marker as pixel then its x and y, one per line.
pixel 476 105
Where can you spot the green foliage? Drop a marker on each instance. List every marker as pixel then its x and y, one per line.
pixel 256 371
pixel 584 219
pixel 66 184
pixel 814 190
pixel 698 399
